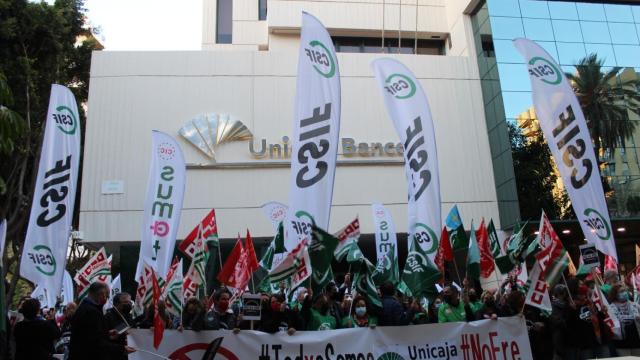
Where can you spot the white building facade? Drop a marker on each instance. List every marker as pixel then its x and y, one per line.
pixel 247 69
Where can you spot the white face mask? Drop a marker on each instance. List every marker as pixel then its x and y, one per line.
pixel 437 305
pixel 361 311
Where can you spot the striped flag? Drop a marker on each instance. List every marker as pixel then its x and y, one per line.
pixel 552 257
pixel 173 293
pixel 296 265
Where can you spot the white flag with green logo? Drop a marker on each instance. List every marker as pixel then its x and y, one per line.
pixel 566 132
pixel 163 204
pixel 408 108
pixel 45 247
pixel 315 133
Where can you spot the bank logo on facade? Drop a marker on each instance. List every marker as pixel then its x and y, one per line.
pixel 321 58
pixel 390 356
pixel 400 86
pixel 66 121
pixel 207 131
pixel 545 70
pixel 43 259
pixel 597 223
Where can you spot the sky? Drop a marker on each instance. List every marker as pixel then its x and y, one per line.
pixel 147 24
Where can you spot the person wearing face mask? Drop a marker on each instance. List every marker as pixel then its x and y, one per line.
pixel 334 299
pixel 489 308
pixel 360 316
pixel 221 317
pixel 628 313
pixel 434 306
pixel 120 316
pixel 315 313
pixel 453 309
pixel 90 335
pixel 474 302
pixel 277 316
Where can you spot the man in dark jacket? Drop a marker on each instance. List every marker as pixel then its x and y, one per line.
pixel 119 316
pixel 393 313
pixel 34 335
pixel 90 335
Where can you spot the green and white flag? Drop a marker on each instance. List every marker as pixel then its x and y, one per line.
pixel 316 126
pixel 347 250
pixel 518 247
pixel 494 241
pixel 295 267
pixel 565 129
pixel 321 252
pixel 365 286
pixel 45 248
pixel 173 290
pixel 386 245
pixel 420 274
pixel 457 234
pixel 408 108
pixel 473 256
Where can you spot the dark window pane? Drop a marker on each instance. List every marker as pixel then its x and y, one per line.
pixel 262 9
pixel 374 45
pixel 224 24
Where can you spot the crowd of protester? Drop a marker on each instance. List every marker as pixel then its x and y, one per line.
pixel 575 327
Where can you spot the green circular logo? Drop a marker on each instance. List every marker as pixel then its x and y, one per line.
pixel 597 223
pixel 301 214
pixel 43 259
pixel 545 70
pixel 424 234
pixel 321 59
pixel 66 120
pixel 400 86
pixel 390 356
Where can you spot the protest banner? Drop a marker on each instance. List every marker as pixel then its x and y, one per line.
pixel 505 338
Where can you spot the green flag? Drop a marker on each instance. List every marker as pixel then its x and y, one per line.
pixel 278 240
pixel 365 286
pixel 457 234
pixel 404 289
pixel 419 274
pixel 266 263
pixel 347 250
pixel 473 256
pixel 517 250
pixel 387 268
pixel 321 251
pixel 493 239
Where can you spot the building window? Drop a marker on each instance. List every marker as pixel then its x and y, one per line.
pixel 374 45
pixel 224 24
pixel 262 9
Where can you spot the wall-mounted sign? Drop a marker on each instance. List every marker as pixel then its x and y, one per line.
pixel 349 148
pixel 110 187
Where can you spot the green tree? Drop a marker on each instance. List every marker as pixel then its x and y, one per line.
pixel 606 100
pixel 11 124
pixel 535 175
pixel 39 46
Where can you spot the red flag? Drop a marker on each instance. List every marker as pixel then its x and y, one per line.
pixel 241 272
pixel 227 274
pixel 158 323
pixel 252 260
pixel 610 263
pixel 188 246
pixel 445 253
pixel 487 266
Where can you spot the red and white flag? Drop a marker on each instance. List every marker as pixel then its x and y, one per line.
pixel 205 229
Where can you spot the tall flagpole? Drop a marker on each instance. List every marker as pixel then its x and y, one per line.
pixel 382 44
pixel 399 26
pixel 415 43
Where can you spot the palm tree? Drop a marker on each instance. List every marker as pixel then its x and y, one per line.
pixel 606 100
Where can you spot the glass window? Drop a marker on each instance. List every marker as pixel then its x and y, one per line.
pixel 570 53
pixel 595 32
pixel 538 29
pixel 262 9
pixel 591 12
pixel 534 9
pixel 604 52
pixel 506 52
pixel 618 13
pixel 568 31
pixel 515 103
pixel 622 33
pixel 563 10
pixel 504 8
pixel 627 55
pixel 224 24
pixel 635 10
pixel 506 28
pixel 514 77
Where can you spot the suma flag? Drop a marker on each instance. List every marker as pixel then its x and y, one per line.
pixel 420 274
pixel 458 237
pixel 315 133
pixel 45 248
pixel 163 203
pixel 386 244
pixel 567 134
pixel 408 108
pixel 206 229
